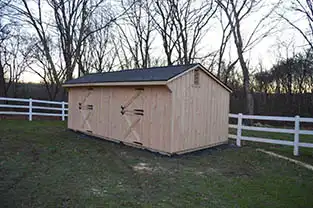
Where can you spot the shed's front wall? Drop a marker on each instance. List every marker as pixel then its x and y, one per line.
pixel 200 113
pixel 145 119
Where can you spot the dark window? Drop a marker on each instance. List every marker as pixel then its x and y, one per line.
pixel 196 77
pixel 79 106
pixel 90 107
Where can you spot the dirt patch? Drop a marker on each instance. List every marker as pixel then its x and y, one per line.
pixel 206 172
pixel 142 167
pixel 199 172
pixel 147 168
pixel 98 192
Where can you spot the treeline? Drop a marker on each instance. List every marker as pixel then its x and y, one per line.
pixel 285 89
pixel 275 104
pixel 290 75
pixel 265 103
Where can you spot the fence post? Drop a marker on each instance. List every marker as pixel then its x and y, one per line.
pixel 30 110
pixel 239 124
pixel 63 111
pixel 296 136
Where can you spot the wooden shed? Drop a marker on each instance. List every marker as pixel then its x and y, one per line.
pixel 173 109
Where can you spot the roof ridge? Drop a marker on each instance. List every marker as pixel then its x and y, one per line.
pixel 138 69
pixel 178 65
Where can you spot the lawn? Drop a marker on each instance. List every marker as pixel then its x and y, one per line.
pixel 45 165
pixel 306 153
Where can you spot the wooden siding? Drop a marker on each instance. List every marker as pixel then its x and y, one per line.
pixel 177 118
pixel 200 113
pixel 152 129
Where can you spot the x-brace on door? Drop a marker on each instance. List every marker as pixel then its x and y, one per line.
pixel 86 109
pixel 132 112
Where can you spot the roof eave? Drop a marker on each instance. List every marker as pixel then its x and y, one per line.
pixel 216 79
pixel 102 84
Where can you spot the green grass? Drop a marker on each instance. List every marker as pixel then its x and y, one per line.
pixel 306 154
pixel 45 165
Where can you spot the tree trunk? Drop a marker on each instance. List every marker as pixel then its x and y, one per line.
pixel 2 81
pixel 249 107
pixel 289 75
pixel 236 31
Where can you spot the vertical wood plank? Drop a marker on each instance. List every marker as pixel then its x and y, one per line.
pixel 199 117
pixel 187 117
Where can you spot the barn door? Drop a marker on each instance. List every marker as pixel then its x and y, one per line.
pixel 132 113
pixel 86 108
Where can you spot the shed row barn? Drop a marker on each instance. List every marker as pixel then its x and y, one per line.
pixel 173 109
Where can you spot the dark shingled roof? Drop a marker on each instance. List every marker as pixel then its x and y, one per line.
pixel 134 75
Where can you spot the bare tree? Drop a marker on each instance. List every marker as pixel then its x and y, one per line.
pixel 182 25
pixel 162 17
pixel 74 24
pixel 12 51
pixel 60 40
pixel 98 53
pixel 15 58
pixel 291 74
pixel 236 12
pixel 135 33
pixel 190 25
pixel 44 39
pixel 4 34
pixel 41 66
pixel 263 79
pixel 226 34
pixel 123 59
pixel 70 27
pixel 2 81
pixel 304 10
pixel 224 67
pixel 71 18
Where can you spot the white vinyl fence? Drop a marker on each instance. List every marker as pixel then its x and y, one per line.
pixel 296 131
pixel 30 107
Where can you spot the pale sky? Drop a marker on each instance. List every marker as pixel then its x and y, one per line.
pixel 266 51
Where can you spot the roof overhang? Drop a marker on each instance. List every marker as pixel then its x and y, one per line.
pixel 145 83
pixel 101 84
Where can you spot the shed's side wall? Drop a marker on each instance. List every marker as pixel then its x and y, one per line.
pixel 106 119
pixel 200 113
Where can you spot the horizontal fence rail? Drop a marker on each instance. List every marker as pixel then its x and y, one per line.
pixel 30 107
pixel 296 131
